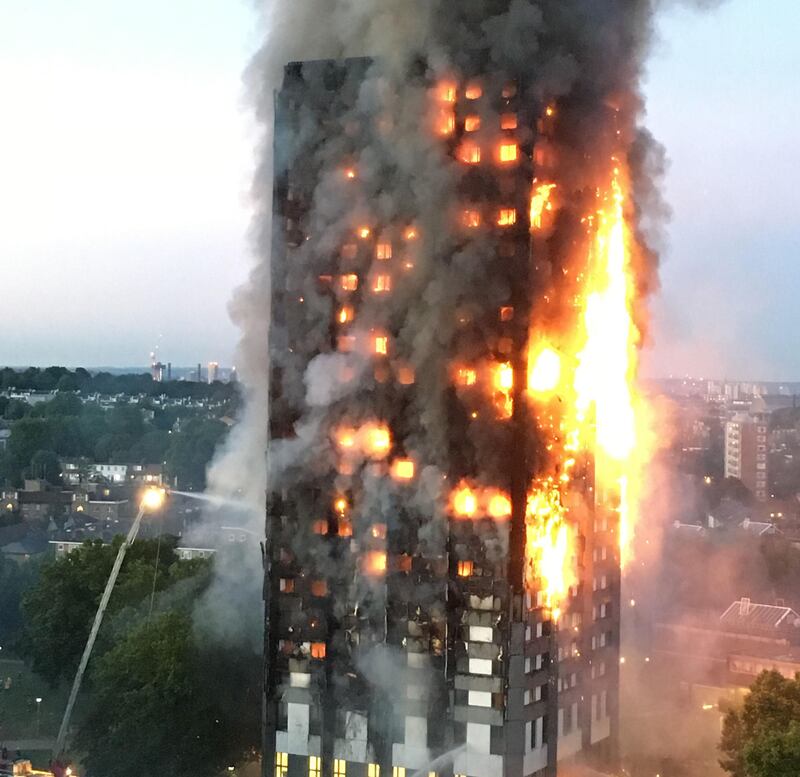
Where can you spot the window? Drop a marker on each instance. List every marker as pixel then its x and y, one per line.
pixel 465 568
pixel 320 526
pixel 339 767
pixel 473 91
pixel 319 588
pixel 314 766
pixel 508 152
pixel 470 153
pixel 373 770
pixel 383 284
pixel 349 251
pixel 472 123
pixel 287 585
pixel 508 121
pixel 349 282
pixel 399 771
pixel 471 218
pixel 507 313
pixel 383 251
pixel 317 650
pixel 281 764
pixel 507 217
pixel 381 345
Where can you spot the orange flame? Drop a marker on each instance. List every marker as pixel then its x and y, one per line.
pixel 540 203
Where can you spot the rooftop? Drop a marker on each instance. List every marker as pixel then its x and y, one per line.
pixel 744 614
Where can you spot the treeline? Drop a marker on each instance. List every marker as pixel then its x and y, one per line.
pixel 68 428
pixel 81 380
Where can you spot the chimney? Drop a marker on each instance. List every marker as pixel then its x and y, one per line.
pixel 744 606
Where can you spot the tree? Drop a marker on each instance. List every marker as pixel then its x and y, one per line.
pixel 59 610
pixel 192 449
pixel 15 579
pixel 45 465
pixel 763 738
pixel 157 707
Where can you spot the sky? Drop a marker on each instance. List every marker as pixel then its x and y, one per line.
pixel 127 146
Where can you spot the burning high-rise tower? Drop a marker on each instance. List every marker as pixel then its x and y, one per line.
pixel 455 437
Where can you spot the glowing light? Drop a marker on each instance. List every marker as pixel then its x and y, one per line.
pixel 382 284
pixel 471 218
pixel 403 469
pixel 507 217
pixel 503 381
pixel 499 506
pixel 465 502
pixel 470 153
pixel 345 315
pixel 374 563
pixel 472 123
pixel 153 498
pixel 383 251
pixel 540 203
pixel 509 152
pixel 508 121
pixel 341 505
pixel 349 282
pixel 544 372
pixel 318 650
pixel 350 173
pixel 411 234
pixel 447 92
pixel 364 232
pixel 381 345
pixel 473 91
pixel 377 441
pixel 465 568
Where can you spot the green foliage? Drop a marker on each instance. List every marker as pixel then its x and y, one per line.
pixel 15 579
pixel 60 608
pixel 763 738
pixel 46 466
pixel 192 449
pixel 161 705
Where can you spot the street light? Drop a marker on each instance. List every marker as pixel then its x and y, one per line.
pixel 151 500
pixel 38 713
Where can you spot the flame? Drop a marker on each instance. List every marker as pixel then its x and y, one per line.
pixel 464 502
pixel 599 413
pixel 503 381
pixel 403 469
pixel 374 563
pixel 548 545
pixel 499 505
pixel 544 371
pixel 540 202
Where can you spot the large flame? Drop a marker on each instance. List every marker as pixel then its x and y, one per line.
pixel 596 410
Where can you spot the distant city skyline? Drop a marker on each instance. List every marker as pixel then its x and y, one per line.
pixel 130 147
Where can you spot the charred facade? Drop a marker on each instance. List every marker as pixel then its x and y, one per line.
pixel 405 630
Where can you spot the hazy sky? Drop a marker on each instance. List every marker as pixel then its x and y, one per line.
pixel 126 152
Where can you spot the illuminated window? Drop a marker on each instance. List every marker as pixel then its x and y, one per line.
pixel 382 284
pixel 339 767
pixel 345 529
pixel 345 315
pixel 349 282
pixel 508 152
pixel 350 173
pixel 470 153
pixel 473 91
pixel 465 568
pixel 447 122
pixel 287 585
pixel 507 217
pixel 281 764
pixel 319 588
pixel 383 251
pixel 405 376
pixel 404 563
pixel 447 94
pixel 508 121
pixel 78 509
pixel 467 376
pixel 349 251
pixel 507 313
pixel 471 218
pixel 314 766
pixel 399 771
pixel 410 233
pixel 373 770
pixel 381 345
pixel 317 650
pixel 403 469
pixel 472 123
pixel 378 531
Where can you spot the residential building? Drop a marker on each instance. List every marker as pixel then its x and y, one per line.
pixel 746 449
pixel 399 639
